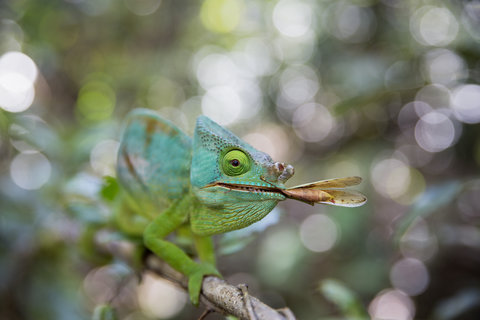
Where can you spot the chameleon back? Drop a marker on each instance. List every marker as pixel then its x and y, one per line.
pixel 153 162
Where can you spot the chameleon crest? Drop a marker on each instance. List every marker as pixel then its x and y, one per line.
pixel 153 162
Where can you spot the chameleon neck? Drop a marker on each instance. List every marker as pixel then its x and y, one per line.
pixel 225 216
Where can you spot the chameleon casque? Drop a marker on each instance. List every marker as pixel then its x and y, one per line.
pixel 212 184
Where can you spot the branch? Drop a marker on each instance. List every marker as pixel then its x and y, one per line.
pixel 217 295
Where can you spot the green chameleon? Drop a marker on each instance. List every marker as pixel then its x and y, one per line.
pixel 213 184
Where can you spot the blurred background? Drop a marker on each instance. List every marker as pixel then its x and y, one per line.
pixel 387 90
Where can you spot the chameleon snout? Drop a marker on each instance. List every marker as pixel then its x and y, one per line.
pixel 282 171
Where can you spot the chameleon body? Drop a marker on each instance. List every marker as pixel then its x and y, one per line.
pixel 212 184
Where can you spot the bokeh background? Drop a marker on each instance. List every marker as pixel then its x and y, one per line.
pixel 387 90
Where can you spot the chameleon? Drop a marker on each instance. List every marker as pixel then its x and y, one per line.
pixel 206 185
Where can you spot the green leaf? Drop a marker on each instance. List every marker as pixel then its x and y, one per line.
pixel 344 298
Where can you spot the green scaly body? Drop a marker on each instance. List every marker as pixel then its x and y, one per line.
pixel 213 184
pixel 172 181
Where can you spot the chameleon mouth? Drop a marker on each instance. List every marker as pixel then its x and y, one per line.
pixel 247 188
pixel 305 195
pixel 331 191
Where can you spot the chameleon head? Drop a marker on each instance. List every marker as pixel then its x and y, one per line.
pixel 236 184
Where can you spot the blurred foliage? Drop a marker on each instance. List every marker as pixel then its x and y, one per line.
pixel 337 293
pixel 388 90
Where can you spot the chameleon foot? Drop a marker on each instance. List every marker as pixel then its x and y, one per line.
pixel 195 280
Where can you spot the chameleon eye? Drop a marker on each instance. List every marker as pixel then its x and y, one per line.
pixel 235 163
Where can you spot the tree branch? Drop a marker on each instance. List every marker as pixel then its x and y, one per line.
pixel 219 296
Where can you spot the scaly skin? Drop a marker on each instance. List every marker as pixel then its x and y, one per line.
pixel 213 184
pixel 173 182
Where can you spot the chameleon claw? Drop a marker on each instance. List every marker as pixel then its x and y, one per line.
pixel 195 280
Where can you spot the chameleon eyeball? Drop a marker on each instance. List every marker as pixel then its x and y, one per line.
pixel 235 162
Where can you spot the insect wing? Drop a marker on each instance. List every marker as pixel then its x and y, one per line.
pixel 345 198
pixel 154 159
pixel 330 192
pixel 338 183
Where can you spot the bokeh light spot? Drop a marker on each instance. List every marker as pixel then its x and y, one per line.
pixel 18 73
pixel 313 122
pixel 470 19
pixel 232 94
pixel 258 57
pixel 434 95
pixel 295 50
pixel 221 16
pixel 30 171
pixel 352 23
pixel 392 304
pixel 410 113
pixel 96 101
pixel 435 132
pixel 216 69
pixel 100 284
pixel 410 276
pixel 318 233
pixel 444 66
pixel 273 140
pixel 299 84
pixel 159 298
pixel 222 104
pixel 292 18
pixel 434 26
pixel 391 178
pixel 11 35
pixel 466 103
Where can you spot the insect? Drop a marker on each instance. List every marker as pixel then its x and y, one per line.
pixel 328 192
pixel 211 184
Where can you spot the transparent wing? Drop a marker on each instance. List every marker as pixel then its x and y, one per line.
pixel 329 192
pixel 345 198
pixel 338 183
pixel 336 197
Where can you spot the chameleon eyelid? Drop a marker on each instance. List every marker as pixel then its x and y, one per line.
pixel 235 162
